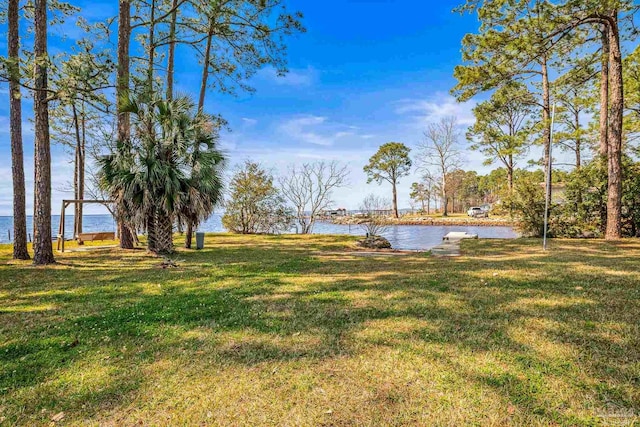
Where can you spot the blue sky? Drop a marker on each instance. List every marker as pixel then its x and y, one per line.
pixel 366 72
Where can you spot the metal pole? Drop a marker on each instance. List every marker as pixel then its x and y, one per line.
pixel 547 198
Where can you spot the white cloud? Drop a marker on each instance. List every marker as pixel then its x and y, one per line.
pixel 303 129
pixel 424 111
pixel 298 77
pixel 317 130
pixel 249 122
pixel 343 134
pixel 61 173
pixel 5 127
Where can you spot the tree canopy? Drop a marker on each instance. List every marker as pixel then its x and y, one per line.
pixel 390 163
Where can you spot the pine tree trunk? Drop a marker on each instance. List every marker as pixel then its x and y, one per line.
pixel 164 234
pixel 152 47
pixel 81 168
pixel 614 162
pixel 122 90
pixel 444 194
pixel 395 200
pixel 205 66
pixel 122 83
pixel 17 156
pixel 172 49
pixel 77 211
pixel 546 113
pixel 604 92
pixel 42 246
pixel 576 119
pixel 546 120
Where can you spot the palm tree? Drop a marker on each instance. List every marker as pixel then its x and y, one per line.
pixel 169 170
pixel 204 186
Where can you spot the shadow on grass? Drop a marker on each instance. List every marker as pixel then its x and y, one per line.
pixel 280 299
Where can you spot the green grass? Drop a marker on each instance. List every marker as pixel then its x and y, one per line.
pixel 298 331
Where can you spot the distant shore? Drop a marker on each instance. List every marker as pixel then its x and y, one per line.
pixel 428 220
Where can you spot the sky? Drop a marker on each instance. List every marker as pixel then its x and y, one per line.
pixel 366 72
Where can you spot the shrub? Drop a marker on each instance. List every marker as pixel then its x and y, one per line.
pixel 583 212
pixel 375 222
pixel 528 206
pixel 255 205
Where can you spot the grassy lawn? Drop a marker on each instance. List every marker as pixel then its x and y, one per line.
pixel 297 331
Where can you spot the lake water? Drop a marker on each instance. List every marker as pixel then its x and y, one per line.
pixel 418 237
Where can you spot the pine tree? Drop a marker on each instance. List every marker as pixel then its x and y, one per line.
pixel 42 247
pixel 17 158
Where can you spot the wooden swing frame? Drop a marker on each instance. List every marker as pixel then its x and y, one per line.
pixel 65 205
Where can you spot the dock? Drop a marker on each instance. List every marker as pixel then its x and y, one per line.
pixel 450 246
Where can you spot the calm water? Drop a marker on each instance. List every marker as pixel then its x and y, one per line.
pixel 400 236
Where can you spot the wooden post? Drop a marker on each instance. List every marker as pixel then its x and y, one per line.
pixel 64 208
pixel 65 204
pixel 60 236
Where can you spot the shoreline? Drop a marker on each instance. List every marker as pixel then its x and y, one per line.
pixel 477 222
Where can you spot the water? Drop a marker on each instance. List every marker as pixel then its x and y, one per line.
pixel 418 237
pixel 90 223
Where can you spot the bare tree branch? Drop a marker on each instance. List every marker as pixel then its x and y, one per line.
pixel 309 188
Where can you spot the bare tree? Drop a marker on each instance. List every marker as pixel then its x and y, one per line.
pixel 440 150
pixel 374 207
pixel 309 188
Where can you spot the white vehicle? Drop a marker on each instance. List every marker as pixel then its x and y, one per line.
pixel 477 212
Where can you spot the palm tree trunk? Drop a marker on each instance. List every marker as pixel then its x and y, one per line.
pixel 42 247
pixel 125 235
pixel 164 233
pixel 188 238
pixel 17 157
pixel 151 232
